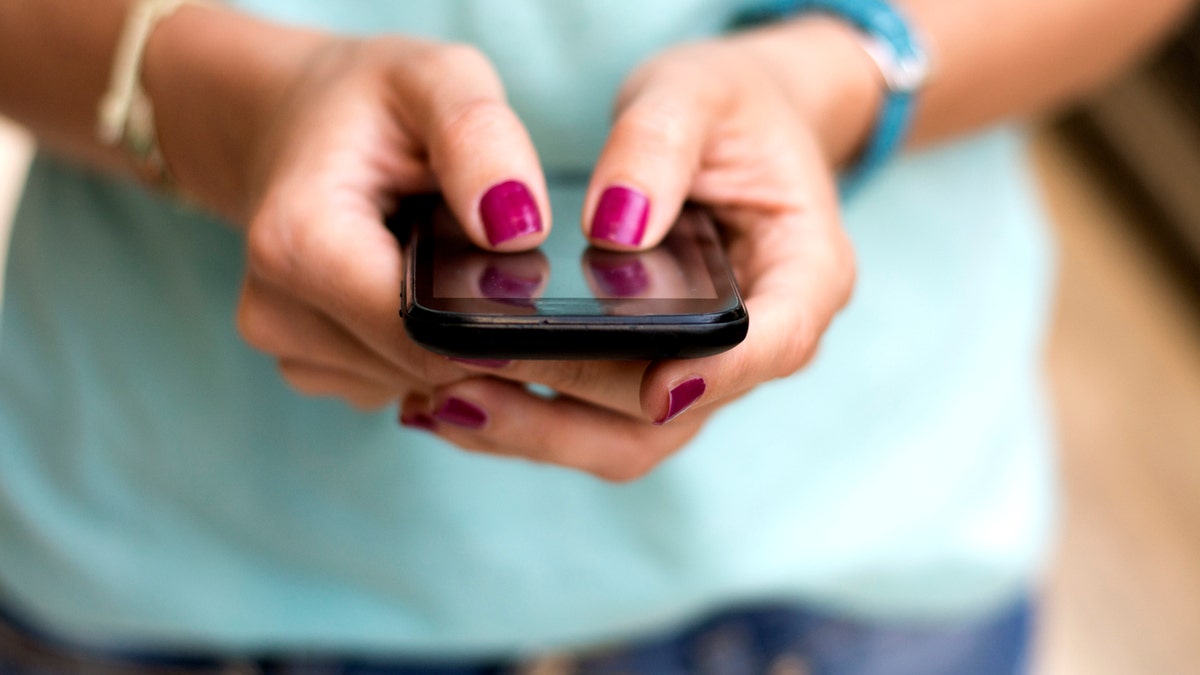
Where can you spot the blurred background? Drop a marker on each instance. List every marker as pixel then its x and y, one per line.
pixel 1121 177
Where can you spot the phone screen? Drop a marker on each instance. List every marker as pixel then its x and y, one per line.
pixel 568 299
pixel 567 274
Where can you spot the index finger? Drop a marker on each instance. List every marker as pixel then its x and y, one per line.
pixel 481 154
pixel 664 119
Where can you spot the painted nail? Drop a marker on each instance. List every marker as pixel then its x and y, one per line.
pixel 462 413
pixel 418 420
pixel 621 216
pixel 497 284
pixel 623 280
pixel 682 397
pixel 482 363
pixel 508 211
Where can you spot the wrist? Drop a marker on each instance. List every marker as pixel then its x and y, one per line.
pixel 835 86
pixel 216 79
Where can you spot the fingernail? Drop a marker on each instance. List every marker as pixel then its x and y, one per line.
pixel 508 211
pixel 624 280
pixel 497 284
pixel 418 420
pixel 462 413
pixel 682 397
pixel 483 363
pixel 621 216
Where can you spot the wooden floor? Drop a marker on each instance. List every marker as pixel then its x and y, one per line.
pixel 1124 594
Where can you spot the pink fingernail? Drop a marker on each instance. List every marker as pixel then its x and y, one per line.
pixel 508 211
pixel 682 397
pixel 621 216
pixel 462 413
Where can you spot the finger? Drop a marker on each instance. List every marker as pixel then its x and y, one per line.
pixel 663 121
pixel 278 324
pixel 339 259
pixel 482 155
pixel 808 277
pixel 612 385
pixel 502 418
pixel 317 381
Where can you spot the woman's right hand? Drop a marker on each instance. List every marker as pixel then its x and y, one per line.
pixel 353 125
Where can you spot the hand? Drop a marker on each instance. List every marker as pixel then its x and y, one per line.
pixel 357 124
pixel 714 122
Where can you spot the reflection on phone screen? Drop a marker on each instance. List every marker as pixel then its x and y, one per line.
pixel 565 267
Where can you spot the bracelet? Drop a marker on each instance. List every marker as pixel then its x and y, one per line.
pixel 126 116
pixel 890 41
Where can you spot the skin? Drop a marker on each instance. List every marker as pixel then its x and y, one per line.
pixel 300 139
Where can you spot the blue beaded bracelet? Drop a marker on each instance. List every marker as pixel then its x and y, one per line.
pixel 901 58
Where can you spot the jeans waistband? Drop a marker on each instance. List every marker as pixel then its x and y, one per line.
pixel 769 640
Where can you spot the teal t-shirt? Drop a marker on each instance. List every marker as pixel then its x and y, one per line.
pixel 161 486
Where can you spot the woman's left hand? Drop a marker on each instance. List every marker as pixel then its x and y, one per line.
pixel 721 123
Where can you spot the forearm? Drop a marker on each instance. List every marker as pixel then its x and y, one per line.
pixel 993 60
pixel 1004 58
pixel 218 80
pixel 56 58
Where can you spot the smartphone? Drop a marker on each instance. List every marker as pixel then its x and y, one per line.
pixel 567 300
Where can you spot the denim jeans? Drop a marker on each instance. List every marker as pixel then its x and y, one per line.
pixel 763 640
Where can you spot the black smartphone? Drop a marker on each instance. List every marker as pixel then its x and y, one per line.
pixel 567 300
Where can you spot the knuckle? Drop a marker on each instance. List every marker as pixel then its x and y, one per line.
pixel 801 345
pixel 630 471
pixel 657 131
pixel 438 375
pixel 412 55
pixel 573 377
pixel 463 128
pixel 357 393
pixel 458 57
pixel 567 377
pixel 269 247
pixel 433 370
pixel 637 462
pixel 637 82
pixel 254 323
pixel 298 378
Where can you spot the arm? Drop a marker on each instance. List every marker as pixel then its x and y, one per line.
pixel 55 57
pixel 1005 59
pixel 303 138
pixel 752 125
pixel 55 61
pixel 992 60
